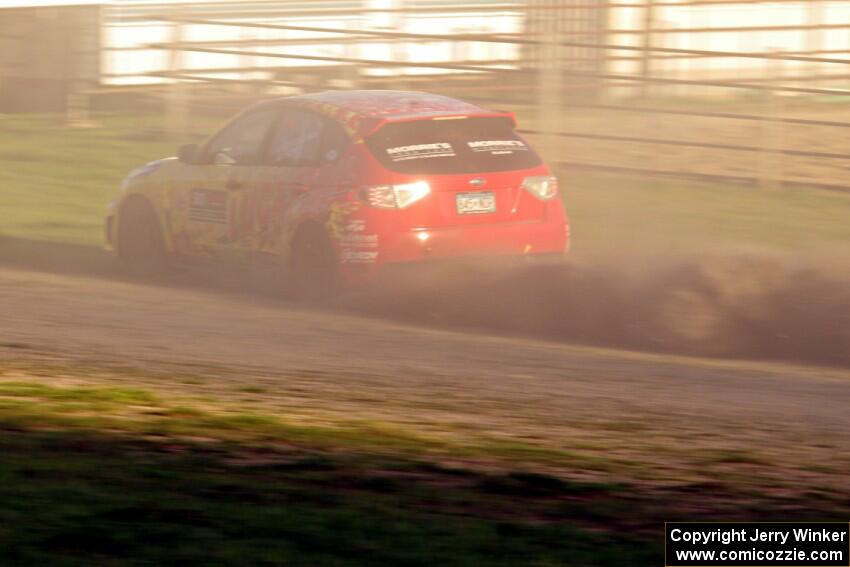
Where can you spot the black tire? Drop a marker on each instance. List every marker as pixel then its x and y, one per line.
pixel 139 242
pixel 312 274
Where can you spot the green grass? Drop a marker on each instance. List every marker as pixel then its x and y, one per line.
pixel 613 214
pixel 126 477
pixel 57 180
pixel 72 499
pixel 123 478
pixel 140 412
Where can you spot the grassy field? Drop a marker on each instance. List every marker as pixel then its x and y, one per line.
pixel 194 509
pixel 102 474
pixel 57 180
pixel 120 476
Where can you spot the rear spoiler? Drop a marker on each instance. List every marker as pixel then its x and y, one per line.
pixel 370 127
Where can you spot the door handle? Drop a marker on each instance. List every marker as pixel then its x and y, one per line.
pixel 233 185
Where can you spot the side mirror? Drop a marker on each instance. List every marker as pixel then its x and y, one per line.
pixel 188 153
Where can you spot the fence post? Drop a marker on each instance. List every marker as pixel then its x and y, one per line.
pixel 77 106
pixel 80 50
pixel 250 63
pixel 352 71
pixel 770 158
pixel 550 83
pixel 646 44
pixel 176 93
pixel 399 46
pixel 3 51
pixel 814 38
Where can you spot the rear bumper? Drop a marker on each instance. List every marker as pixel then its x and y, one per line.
pixel 514 239
pixel 531 240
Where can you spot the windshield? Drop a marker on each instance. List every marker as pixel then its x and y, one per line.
pixel 468 145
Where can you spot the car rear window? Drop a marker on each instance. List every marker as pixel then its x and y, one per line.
pixel 468 145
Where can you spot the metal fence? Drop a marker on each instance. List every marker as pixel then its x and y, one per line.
pixel 727 90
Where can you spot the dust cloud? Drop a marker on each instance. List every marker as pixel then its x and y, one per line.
pixel 746 305
pixel 729 304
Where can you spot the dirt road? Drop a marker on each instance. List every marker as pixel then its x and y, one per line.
pixel 656 417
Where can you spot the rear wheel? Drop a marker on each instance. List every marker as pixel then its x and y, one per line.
pixel 313 274
pixel 139 242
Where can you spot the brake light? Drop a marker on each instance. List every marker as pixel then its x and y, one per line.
pixel 543 187
pixel 395 196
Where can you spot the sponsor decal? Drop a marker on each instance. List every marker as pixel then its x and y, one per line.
pixel 348 256
pixel 338 219
pixel 497 147
pixel 359 240
pixel 356 225
pixel 355 246
pixel 421 151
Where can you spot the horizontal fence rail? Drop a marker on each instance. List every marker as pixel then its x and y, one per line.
pixel 577 72
pixel 567 50
pixel 502 39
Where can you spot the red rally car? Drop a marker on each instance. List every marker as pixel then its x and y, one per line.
pixel 334 187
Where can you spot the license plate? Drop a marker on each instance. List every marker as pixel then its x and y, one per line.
pixel 478 203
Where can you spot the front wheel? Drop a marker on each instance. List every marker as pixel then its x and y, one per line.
pixel 139 241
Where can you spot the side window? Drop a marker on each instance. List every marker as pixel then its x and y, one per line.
pixel 297 139
pixel 241 141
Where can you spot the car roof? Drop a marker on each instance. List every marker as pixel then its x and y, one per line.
pixel 390 104
pixel 363 111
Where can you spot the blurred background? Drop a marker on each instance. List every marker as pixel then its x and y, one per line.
pixel 725 90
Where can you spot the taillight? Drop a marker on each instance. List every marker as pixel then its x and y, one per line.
pixel 395 196
pixel 543 187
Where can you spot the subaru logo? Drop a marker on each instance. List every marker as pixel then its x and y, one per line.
pixel 477 181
